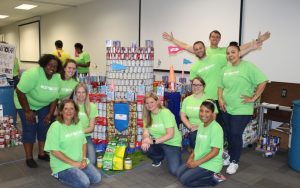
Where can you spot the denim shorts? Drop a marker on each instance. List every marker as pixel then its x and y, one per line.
pixel 33 131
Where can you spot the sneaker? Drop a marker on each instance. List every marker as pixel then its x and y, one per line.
pixel 44 157
pixel 31 163
pixel 232 168
pixel 219 177
pixel 156 164
pixel 226 161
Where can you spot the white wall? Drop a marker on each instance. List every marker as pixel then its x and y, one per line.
pixel 279 57
pixel 90 24
pixel 190 21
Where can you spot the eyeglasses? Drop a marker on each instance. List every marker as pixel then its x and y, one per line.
pixel 197 85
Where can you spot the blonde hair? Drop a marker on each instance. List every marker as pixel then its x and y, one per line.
pixel 60 116
pixel 147 113
pixel 87 103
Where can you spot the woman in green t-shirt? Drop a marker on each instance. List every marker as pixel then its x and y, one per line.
pixel 161 137
pixel 241 85
pixel 87 114
pixel 35 99
pixel 189 112
pixel 69 81
pixel 67 146
pixel 206 159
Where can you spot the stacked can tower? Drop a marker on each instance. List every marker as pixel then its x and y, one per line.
pixel 127 68
pixel 9 135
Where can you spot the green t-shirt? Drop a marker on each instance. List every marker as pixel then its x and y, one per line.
pixel 208 137
pixel 83 58
pixel 209 70
pixel 160 122
pixel 67 87
pixel 16 67
pixel 191 107
pixel 214 51
pixel 67 139
pixel 237 81
pixel 84 119
pixel 39 91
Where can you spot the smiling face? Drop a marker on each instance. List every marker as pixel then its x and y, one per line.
pixel 199 50
pixel 233 55
pixel 68 112
pixel 81 94
pixel 51 68
pixel 214 39
pixel 206 115
pixel 197 87
pixel 70 70
pixel 152 105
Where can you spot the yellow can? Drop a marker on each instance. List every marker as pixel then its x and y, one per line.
pixel 99 162
pixel 127 164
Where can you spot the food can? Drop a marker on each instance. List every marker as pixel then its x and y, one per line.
pixel 99 162
pixel 127 164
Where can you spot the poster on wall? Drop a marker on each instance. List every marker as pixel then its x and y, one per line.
pixel 7 56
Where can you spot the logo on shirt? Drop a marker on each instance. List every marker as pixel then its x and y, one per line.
pixel 49 88
pixel 201 136
pixel 203 69
pixel 73 134
pixel 193 107
pixel 157 125
pixel 231 73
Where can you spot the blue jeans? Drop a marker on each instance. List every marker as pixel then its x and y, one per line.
pixel 91 151
pixel 79 178
pixel 38 130
pixel 235 126
pixel 157 152
pixel 195 177
pixel 192 138
pixel 220 120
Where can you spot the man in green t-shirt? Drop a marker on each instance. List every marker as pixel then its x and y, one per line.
pixel 82 59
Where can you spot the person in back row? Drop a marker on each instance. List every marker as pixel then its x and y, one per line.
pixel 60 53
pixel 82 59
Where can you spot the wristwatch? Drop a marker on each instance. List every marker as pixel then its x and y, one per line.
pixel 154 141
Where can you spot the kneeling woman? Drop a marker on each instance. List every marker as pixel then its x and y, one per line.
pixel 206 160
pixel 67 146
pixel 161 137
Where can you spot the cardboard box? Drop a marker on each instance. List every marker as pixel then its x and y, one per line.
pixel 283 132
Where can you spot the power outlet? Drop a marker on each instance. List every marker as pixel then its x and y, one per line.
pixel 284 93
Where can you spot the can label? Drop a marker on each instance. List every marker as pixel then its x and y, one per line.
pixel 99 162
pixel 128 164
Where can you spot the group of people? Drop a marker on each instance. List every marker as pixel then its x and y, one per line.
pixel 55 110
pixel 218 110
pixel 224 88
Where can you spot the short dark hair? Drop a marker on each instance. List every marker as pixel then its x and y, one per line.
pixel 78 45
pixel 214 31
pixel 199 42
pixel 58 44
pixel 60 117
pixel 234 44
pixel 46 58
pixel 210 104
pixel 62 73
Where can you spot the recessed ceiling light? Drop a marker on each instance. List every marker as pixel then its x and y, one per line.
pixel 3 16
pixel 26 7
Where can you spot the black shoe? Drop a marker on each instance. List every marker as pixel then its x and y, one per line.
pixel 44 157
pixel 31 163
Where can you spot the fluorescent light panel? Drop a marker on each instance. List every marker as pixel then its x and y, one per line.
pixel 25 6
pixel 3 16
